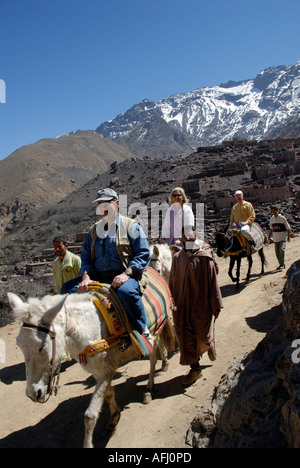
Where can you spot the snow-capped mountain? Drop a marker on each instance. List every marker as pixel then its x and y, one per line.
pixel 252 109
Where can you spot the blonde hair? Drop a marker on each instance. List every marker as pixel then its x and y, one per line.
pixel 181 190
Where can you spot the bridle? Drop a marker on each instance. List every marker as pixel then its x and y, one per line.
pixel 156 260
pixel 53 383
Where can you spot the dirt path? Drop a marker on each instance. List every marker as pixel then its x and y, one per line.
pixel 244 321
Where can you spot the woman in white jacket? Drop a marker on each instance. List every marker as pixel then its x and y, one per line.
pixel 178 215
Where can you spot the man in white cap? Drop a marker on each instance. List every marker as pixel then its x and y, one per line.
pixel 243 213
pixel 116 251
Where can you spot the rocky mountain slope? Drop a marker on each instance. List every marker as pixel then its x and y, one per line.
pixel 145 132
pixel 47 171
pixel 263 107
pixel 147 181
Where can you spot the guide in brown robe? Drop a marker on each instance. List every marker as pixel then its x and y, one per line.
pixel 194 287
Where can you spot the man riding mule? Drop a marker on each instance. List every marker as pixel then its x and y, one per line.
pixel 72 323
pixel 243 215
pixel 242 238
pixel 122 313
pixel 116 252
pixel 231 242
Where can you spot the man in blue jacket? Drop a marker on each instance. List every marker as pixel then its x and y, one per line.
pixel 116 251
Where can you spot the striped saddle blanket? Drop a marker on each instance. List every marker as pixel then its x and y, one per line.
pixel 258 235
pixel 157 301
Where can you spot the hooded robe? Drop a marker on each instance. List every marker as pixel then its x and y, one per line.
pixel 197 296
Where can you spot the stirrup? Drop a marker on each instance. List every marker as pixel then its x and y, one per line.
pixel 126 342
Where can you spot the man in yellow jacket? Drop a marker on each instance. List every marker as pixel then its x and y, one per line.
pixel 243 213
pixel 67 265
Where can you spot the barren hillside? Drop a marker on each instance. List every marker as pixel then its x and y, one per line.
pixel 45 172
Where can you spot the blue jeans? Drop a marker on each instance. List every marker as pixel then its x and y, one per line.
pixel 129 294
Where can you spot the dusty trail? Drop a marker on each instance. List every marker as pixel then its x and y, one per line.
pixel 244 321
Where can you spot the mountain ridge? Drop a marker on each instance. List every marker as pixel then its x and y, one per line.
pixel 254 108
pixel 45 172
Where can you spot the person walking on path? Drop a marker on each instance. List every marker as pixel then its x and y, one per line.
pixel 197 296
pixel 280 231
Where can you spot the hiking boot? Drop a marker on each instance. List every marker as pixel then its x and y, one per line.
pixel 192 377
pixel 212 353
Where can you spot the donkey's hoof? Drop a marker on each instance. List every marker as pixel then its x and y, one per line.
pixel 109 431
pixel 165 366
pixel 111 427
pixel 147 398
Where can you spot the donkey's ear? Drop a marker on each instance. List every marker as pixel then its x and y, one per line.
pixel 50 315
pixel 156 250
pixel 19 308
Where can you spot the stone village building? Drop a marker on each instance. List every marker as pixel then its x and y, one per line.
pixel 272 163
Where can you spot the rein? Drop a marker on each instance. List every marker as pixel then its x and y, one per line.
pixel 53 383
pixel 231 245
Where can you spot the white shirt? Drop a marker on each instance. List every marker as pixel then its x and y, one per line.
pixel 279 226
pixel 182 217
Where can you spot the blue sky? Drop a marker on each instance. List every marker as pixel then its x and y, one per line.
pixel 73 64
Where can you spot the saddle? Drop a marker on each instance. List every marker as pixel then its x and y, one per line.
pixel 258 235
pixel 157 301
